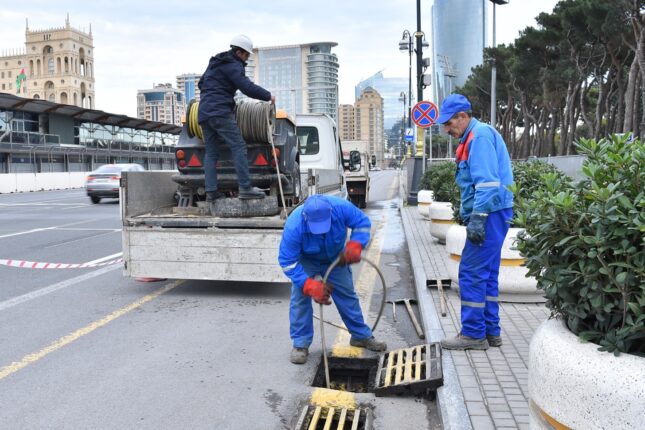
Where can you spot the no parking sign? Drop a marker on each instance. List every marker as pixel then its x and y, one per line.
pixel 425 113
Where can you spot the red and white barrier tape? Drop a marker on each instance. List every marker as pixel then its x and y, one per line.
pixel 39 265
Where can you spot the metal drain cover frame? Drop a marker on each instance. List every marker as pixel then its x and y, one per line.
pixel 313 417
pixel 409 370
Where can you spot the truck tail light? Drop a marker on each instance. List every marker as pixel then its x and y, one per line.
pixel 182 163
pixel 180 154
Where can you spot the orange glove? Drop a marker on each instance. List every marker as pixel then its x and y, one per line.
pixel 317 291
pixel 352 253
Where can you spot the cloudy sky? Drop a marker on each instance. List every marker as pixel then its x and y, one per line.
pixel 138 43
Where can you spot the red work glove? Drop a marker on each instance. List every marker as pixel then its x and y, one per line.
pixel 317 291
pixel 352 253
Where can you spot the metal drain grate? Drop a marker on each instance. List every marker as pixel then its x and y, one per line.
pixel 327 418
pixel 409 370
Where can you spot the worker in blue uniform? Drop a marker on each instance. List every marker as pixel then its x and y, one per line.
pixel 483 175
pixel 313 237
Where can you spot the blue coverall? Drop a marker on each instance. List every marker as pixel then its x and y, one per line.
pixel 304 255
pixel 483 174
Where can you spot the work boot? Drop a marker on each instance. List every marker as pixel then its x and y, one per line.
pixel 462 342
pixel 211 196
pixel 371 343
pixel 250 193
pixel 299 355
pixel 494 340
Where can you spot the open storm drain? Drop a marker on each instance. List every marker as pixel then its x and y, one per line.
pixel 414 370
pixel 355 375
pixel 327 418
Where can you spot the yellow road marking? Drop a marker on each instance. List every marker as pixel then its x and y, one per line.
pixel 333 398
pixel 66 340
pixel 364 287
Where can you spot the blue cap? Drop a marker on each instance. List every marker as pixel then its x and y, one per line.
pixel 451 105
pixel 317 213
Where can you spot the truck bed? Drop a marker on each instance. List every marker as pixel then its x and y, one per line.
pixel 160 241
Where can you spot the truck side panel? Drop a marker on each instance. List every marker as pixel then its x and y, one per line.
pixel 222 254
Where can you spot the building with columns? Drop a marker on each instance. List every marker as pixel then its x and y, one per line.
pixel 57 65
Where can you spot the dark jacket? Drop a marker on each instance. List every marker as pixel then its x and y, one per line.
pixel 222 78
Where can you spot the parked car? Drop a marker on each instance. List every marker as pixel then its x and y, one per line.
pixel 104 181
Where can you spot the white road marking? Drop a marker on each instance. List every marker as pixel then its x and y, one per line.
pixel 36 230
pixel 109 257
pixel 55 287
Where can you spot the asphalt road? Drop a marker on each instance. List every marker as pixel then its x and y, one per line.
pixel 89 348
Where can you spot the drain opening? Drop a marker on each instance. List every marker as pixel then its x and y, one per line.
pixel 315 417
pixel 355 375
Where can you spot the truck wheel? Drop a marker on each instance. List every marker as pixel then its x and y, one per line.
pixel 95 199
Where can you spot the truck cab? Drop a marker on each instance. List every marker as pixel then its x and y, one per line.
pixel 321 154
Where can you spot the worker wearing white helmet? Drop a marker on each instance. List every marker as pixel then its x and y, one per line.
pixel 222 78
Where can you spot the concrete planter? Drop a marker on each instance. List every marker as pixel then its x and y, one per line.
pixel 424 200
pixel 441 218
pixel 514 286
pixel 577 386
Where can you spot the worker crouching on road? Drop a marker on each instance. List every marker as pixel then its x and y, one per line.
pixel 483 174
pixel 222 78
pixel 314 236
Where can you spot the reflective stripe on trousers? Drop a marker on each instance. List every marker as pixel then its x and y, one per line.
pixel 301 326
pixel 478 278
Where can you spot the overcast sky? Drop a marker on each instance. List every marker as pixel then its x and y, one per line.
pixel 138 43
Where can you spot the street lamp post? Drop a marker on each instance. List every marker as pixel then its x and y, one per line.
pixel 406 45
pixel 416 166
pixel 493 71
pixel 402 98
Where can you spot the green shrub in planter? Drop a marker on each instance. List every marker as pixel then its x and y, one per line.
pixel 440 179
pixel 584 243
pixel 527 176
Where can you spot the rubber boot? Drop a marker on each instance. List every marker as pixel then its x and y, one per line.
pixel 299 355
pixel 461 342
pixel 250 193
pixel 494 340
pixel 371 343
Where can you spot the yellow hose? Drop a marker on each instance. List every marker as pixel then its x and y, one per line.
pixel 194 128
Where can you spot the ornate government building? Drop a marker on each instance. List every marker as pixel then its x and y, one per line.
pixel 56 65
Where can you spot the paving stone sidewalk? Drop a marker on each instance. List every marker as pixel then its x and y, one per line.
pixel 493 382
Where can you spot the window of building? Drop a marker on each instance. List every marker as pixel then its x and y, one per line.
pixel 50 66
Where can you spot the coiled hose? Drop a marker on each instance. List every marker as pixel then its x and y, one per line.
pixel 322 321
pixel 255 120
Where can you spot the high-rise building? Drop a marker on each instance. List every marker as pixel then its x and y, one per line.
pixel 304 78
pixel 390 89
pixel 347 122
pixel 162 103
pixel 187 84
pixel 369 122
pixel 56 65
pixel 455 51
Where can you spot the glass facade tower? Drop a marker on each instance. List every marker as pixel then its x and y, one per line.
pixel 459 38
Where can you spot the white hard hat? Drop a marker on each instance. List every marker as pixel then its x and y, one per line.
pixel 242 41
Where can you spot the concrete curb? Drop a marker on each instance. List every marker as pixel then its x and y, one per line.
pixel 450 398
